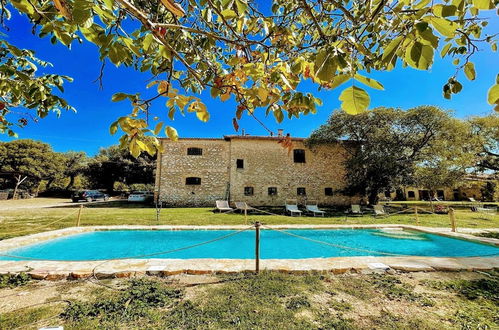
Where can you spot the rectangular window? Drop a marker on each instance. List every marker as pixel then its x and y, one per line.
pixel 299 155
pixel 192 181
pixel 240 163
pixel 248 191
pixel 272 191
pixel 328 191
pixel 194 151
pixel 411 194
pixel 300 191
pixel 388 193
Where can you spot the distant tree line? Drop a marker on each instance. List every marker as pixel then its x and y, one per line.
pixel 423 147
pixel 33 166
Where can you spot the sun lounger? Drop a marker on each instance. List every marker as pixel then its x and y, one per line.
pixel 311 207
pixel 292 208
pixel 379 210
pixel 223 206
pixel 356 210
pixel 242 206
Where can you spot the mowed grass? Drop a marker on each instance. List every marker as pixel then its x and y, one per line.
pixel 270 300
pixel 18 222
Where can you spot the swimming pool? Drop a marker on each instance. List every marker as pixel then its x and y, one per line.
pixel 101 245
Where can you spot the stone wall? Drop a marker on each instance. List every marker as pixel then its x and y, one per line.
pixel 174 166
pixel 265 164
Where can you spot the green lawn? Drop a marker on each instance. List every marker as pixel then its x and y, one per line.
pixel 30 220
pixel 270 300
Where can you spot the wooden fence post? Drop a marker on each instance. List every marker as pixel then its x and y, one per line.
pixel 452 217
pixel 257 247
pixel 416 214
pixel 79 216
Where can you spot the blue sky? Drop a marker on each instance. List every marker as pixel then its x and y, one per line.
pixel 88 129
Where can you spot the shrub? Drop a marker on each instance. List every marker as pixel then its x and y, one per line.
pixel 13 280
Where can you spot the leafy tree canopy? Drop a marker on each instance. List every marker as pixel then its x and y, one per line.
pixel 255 54
pixel 114 164
pixel 392 147
pixel 29 161
pixel 487 130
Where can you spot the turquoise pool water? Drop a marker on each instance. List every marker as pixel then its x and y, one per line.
pixel 101 245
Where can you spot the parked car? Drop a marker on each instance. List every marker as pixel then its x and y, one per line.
pixel 140 196
pixel 89 196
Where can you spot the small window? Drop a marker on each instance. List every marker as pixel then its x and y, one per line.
pixel 248 191
pixel 240 163
pixel 192 181
pixel 301 191
pixel 388 194
pixel 299 155
pixel 194 151
pixel 328 191
pixel 411 194
pixel 272 191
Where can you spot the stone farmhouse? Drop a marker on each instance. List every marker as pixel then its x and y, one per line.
pixel 252 169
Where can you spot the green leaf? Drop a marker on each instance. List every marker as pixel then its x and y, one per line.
pixel 279 116
pixel 369 82
pixel 229 13
pixel 445 50
pixel 113 128
pixel 325 65
pixel 354 100
pixel 483 4
pixel 390 50
pixel 158 127
pixel 338 80
pixel 445 27
pixel 171 133
pixel 419 56
pixel 444 11
pixel 493 95
pixel 119 97
pixel 469 71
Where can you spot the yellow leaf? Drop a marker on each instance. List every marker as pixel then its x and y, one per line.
pixel 224 97
pixel 204 116
pixel 173 7
pixel 262 94
pixel 171 133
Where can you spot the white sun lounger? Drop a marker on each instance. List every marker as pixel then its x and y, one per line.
pixel 292 208
pixel 223 206
pixel 241 206
pixel 312 208
pixel 379 210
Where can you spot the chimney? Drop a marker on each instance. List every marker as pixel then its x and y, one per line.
pixel 279 132
pixel 243 132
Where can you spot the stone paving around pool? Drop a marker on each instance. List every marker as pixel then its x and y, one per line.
pixel 57 270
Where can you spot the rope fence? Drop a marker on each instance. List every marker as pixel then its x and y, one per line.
pixel 257 227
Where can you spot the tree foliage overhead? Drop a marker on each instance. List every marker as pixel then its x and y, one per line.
pixel 423 146
pixel 257 52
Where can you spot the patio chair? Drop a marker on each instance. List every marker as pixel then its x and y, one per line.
pixel 312 207
pixel 379 210
pixel 292 207
pixel 356 210
pixel 242 206
pixel 223 206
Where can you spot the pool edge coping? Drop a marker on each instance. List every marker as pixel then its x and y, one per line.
pixel 56 270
